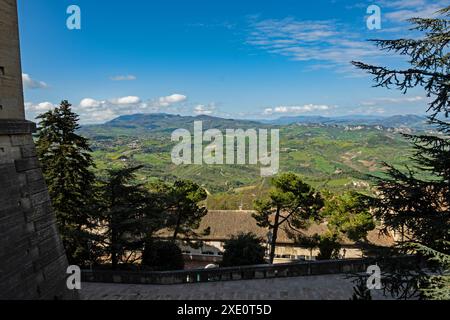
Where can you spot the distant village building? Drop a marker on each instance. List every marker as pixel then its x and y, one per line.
pixel 227 223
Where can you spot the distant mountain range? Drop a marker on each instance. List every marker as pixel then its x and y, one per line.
pixel 409 121
pixel 157 122
pixel 164 121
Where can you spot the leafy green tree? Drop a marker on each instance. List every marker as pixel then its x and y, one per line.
pixel 291 202
pixel 242 250
pixel 124 207
pixel 348 215
pixel 181 205
pixel 66 163
pixel 162 256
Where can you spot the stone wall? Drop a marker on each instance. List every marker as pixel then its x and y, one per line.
pixel 11 91
pixel 32 260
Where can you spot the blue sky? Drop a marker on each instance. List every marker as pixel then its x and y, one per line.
pixel 240 59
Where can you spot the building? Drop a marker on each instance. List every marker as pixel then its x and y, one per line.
pixel 226 223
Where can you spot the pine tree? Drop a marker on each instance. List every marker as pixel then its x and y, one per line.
pixel 66 164
pixel 348 215
pixel 181 206
pixel 416 202
pixel 126 213
pixel 242 250
pixel 291 202
pixel 436 287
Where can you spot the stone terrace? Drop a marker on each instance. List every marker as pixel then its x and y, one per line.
pixel 323 287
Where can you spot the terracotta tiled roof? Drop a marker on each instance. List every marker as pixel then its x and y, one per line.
pixel 226 223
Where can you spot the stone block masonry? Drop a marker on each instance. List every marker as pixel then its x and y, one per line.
pixel 32 259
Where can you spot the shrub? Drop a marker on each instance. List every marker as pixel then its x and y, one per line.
pixel 242 250
pixel 162 256
pixel 329 247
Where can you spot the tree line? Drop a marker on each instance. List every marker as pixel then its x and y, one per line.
pixel 112 216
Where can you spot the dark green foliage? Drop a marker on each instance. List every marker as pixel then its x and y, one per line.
pixel 242 250
pixel 125 209
pixel 428 58
pixel 66 164
pixel 180 203
pixel 162 256
pixel 329 246
pixel 291 202
pixel 308 242
pixel 348 215
pixel 360 290
pixel 436 287
pixel 416 201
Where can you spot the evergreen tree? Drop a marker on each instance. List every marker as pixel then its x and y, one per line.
pixel 436 287
pixel 125 208
pixel 181 206
pixel 162 256
pixel 66 163
pixel 415 202
pixel 291 202
pixel 348 215
pixel 242 250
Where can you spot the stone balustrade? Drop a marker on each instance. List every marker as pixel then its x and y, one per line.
pixel 298 269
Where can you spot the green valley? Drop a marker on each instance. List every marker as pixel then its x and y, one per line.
pixel 336 157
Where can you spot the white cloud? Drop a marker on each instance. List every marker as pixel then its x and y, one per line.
pixel 205 109
pixel 334 44
pixel 126 100
pixel 399 11
pixel 90 103
pixel 389 100
pixel 93 110
pixel 129 77
pixel 40 107
pixel 401 100
pixel 297 109
pixel 324 41
pixel 172 99
pixel 30 83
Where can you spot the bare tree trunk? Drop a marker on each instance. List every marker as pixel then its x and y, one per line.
pixel 273 243
pixel 114 254
pixel 177 228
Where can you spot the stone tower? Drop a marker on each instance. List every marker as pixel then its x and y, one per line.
pixel 32 260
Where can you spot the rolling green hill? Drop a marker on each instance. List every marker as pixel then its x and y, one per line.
pixel 331 157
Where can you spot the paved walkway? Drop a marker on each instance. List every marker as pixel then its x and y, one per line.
pixel 332 287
